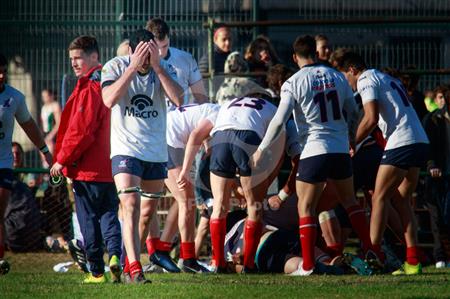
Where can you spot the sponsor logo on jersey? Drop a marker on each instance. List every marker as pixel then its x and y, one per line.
pixel 7 103
pixel 141 107
pixel 322 82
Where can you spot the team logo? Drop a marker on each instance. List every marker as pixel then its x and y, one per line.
pixel 7 103
pixel 123 163
pixel 141 107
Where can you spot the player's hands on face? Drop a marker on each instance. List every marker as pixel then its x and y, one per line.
pixel 274 202
pixel 56 170
pixel 140 55
pixel 154 54
pixel 435 172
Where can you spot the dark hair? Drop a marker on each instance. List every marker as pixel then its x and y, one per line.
pixel 336 57
pixel 305 46
pixel 3 61
pixel 352 59
pixel 86 43
pixel 158 27
pixel 393 72
pixel 140 35
pixel 19 146
pixel 276 74
pixel 440 89
pixel 251 52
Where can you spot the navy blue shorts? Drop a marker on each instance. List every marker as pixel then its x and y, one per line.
pixel 318 169
pixel 143 169
pixel 365 166
pixel 176 157
pixel 231 150
pixel 6 178
pixel 405 157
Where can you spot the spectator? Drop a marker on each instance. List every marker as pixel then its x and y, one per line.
pixel 260 56
pixel 411 82
pixel 222 48
pixel 50 118
pixel 22 217
pixel 437 195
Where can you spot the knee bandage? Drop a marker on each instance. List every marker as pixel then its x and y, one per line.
pixel 326 215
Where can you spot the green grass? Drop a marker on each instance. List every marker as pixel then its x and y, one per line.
pixel 32 276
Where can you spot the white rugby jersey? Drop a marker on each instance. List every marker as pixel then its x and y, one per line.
pixel 294 141
pixel 320 94
pixel 138 120
pixel 12 106
pixel 187 71
pixel 181 121
pixel 398 120
pixel 245 113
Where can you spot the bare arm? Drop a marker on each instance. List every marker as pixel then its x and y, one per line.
pixel 368 122
pixel 196 138
pixel 113 93
pixel 34 133
pixel 199 92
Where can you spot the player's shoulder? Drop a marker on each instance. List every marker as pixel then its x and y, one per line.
pixel 116 63
pixel 369 75
pixel 13 92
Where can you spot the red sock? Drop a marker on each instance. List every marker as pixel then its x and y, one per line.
pixel 126 269
pixel 252 234
pixel 413 255
pixel 151 243
pixel 188 250
pixel 308 231
pixel 181 252
pixel 135 268
pixel 164 246
pixel 377 249
pixel 218 229
pixel 335 250
pixel 359 224
pixel 2 251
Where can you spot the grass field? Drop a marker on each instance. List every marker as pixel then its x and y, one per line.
pixel 32 276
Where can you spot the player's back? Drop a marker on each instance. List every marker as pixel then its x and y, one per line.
pixel 398 119
pixel 320 94
pixel 181 121
pixel 245 113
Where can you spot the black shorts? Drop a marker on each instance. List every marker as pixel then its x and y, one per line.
pixel 276 250
pixel 408 156
pixel 318 169
pixel 176 157
pixel 6 178
pixel 231 150
pixel 365 166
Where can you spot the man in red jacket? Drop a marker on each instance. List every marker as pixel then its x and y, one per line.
pixel 82 154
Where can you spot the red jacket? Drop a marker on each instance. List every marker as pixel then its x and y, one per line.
pixel 83 140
